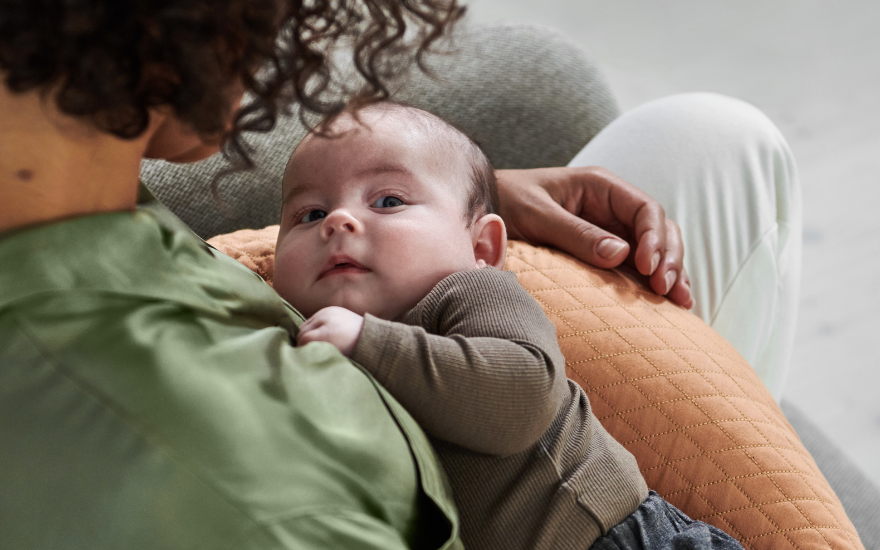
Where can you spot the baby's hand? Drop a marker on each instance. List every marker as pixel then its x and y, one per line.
pixel 336 325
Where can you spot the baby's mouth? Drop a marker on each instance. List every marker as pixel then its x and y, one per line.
pixel 339 265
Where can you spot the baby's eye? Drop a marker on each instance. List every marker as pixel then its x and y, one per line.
pixel 388 202
pixel 313 215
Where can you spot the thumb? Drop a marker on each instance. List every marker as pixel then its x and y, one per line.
pixel 301 338
pixel 584 240
pixel 307 331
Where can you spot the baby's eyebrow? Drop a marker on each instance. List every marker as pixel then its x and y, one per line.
pixel 293 190
pixel 384 168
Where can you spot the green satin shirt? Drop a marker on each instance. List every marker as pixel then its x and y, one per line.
pixel 150 398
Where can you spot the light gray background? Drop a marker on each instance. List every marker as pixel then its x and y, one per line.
pixel 814 67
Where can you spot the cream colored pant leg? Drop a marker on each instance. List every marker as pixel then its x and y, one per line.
pixel 723 171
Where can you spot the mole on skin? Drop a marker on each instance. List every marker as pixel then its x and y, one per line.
pixel 25 175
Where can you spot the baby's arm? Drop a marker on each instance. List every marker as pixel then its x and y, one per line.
pixel 484 373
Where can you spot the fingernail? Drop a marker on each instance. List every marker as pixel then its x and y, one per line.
pixel 610 248
pixel 655 261
pixel 670 280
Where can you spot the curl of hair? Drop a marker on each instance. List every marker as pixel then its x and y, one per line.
pixel 110 61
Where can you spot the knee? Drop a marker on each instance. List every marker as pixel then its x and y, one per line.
pixel 712 119
pixel 696 126
pixel 734 132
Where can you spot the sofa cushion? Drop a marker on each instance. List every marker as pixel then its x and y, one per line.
pixel 706 433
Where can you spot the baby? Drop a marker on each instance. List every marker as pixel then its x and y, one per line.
pixel 390 245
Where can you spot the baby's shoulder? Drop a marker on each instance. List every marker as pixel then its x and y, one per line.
pixel 484 279
pixel 481 294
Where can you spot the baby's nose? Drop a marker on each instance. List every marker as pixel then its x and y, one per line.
pixel 342 221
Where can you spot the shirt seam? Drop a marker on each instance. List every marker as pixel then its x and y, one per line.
pixel 140 287
pixel 742 266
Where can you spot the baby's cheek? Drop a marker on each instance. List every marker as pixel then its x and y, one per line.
pixel 280 286
pixel 285 284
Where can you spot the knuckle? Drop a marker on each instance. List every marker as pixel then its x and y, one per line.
pixel 648 215
pixel 584 235
pixel 581 228
pixel 586 231
pixel 602 172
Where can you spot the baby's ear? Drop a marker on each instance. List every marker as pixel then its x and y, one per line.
pixel 490 241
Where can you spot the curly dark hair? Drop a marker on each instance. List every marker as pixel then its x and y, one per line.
pixel 110 61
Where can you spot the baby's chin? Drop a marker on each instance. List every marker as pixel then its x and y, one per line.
pixel 353 299
pixel 381 309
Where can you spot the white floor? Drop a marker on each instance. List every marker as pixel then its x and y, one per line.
pixel 814 67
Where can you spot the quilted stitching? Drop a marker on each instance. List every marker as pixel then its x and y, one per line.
pixel 255 248
pixel 706 433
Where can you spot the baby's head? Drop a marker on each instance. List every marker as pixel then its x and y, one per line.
pixel 380 208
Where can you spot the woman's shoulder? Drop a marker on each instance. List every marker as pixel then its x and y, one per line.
pixel 141 333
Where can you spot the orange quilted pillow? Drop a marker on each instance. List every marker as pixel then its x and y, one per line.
pixel 255 248
pixel 707 434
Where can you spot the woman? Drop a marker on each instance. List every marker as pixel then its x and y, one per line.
pixel 149 394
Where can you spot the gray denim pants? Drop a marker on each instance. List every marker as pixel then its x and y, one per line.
pixel 660 525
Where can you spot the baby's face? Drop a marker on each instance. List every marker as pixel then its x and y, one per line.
pixel 371 221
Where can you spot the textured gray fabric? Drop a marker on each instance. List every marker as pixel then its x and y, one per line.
pixel 248 199
pixel 527 94
pixel 859 495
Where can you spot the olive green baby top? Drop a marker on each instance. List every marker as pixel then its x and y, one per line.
pixel 150 398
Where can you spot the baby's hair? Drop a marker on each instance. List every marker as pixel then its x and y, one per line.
pixel 482 193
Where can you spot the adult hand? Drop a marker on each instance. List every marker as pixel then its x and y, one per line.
pixel 336 325
pixel 599 218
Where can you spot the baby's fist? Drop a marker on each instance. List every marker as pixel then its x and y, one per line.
pixel 335 325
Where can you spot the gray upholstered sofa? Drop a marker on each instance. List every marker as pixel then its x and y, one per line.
pixel 533 99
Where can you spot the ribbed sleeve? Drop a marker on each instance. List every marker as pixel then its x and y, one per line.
pixel 476 363
pixel 491 355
